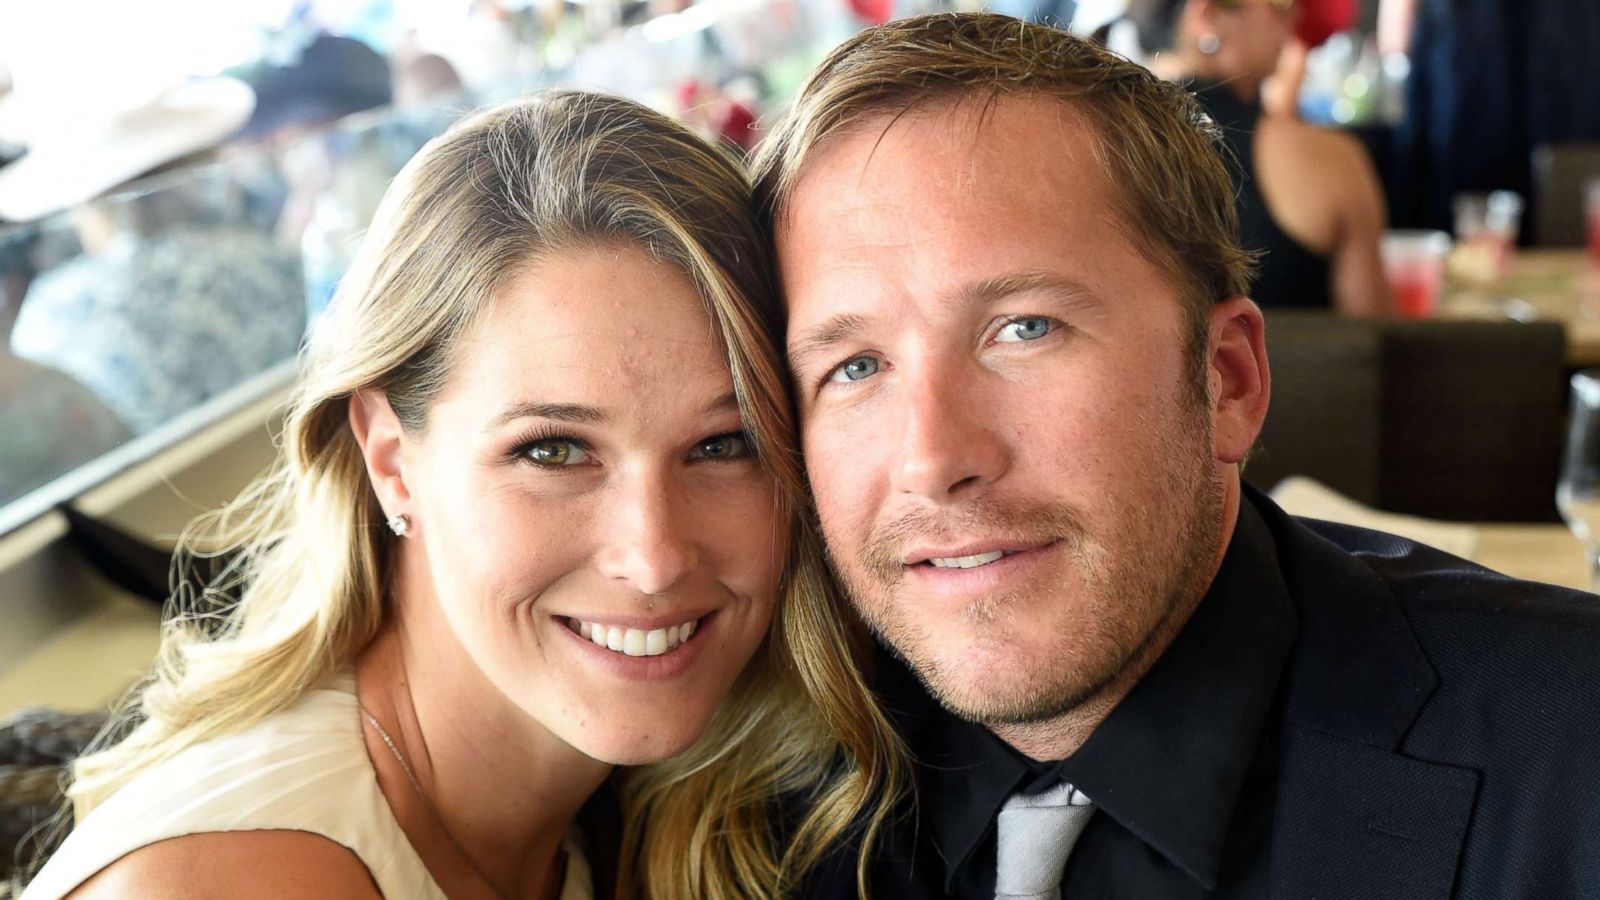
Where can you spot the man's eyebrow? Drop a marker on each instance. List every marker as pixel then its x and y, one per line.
pixel 817 339
pixel 990 290
pixel 575 413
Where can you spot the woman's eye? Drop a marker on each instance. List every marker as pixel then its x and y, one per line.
pixel 723 446
pixel 855 369
pixel 555 452
pixel 1026 328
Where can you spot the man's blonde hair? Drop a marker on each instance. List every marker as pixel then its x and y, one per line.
pixel 1174 199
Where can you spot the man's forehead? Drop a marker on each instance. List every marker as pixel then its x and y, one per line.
pixel 954 132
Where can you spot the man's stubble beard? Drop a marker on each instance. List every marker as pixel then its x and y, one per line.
pixel 1133 584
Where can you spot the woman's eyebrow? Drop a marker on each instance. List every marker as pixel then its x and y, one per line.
pixel 576 413
pixel 580 414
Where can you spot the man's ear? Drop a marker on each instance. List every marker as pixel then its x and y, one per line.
pixel 382 441
pixel 1240 382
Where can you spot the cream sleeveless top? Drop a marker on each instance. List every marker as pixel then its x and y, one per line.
pixel 302 769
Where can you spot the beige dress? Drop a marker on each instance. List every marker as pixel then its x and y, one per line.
pixel 302 769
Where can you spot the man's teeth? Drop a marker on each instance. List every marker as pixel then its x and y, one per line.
pixel 965 562
pixel 634 641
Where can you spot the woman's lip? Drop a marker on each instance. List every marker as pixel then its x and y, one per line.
pixel 643 668
pixel 642 623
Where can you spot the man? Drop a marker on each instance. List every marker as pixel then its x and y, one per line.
pixel 1028 378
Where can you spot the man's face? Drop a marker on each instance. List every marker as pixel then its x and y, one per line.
pixel 1012 460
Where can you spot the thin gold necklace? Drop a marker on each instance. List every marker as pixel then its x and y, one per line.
pixel 426 803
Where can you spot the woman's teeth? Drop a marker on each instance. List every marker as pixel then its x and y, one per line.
pixel 634 641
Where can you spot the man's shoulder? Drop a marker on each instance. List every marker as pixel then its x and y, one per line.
pixel 1433 586
pixel 1498 645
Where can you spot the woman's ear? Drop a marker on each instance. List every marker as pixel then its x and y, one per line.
pixel 382 441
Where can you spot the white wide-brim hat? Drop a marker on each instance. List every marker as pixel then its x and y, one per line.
pixel 88 156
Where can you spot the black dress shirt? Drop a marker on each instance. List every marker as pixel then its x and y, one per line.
pixel 1174 770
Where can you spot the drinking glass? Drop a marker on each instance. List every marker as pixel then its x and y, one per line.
pixel 1578 491
pixel 1413 263
pixel 1486 234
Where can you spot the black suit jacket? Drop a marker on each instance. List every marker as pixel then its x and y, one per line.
pixel 1442 727
pixel 1433 731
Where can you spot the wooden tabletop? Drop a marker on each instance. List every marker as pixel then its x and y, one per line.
pixel 1547 553
pixel 1533 552
pixel 1545 285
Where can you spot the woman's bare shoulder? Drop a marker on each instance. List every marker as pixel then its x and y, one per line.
pixel 242 864
pixel 1319 148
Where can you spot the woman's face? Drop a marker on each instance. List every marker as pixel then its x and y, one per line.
pixel 1252 35
pixel 586 512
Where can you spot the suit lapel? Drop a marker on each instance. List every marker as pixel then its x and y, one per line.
pixel 1355 817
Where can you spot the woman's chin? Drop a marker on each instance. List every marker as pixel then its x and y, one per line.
pixel 632 749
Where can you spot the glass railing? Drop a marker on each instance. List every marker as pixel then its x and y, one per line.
pixel 140 318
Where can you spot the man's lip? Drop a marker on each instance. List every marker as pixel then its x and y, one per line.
pixel 919 555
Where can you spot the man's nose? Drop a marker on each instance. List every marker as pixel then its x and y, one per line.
pixel 651 545
pixel 948 449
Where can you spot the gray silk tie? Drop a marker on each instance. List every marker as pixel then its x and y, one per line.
pixel 1036 833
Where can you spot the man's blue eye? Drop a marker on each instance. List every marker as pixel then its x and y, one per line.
pixel 856 369
pixel 1027 328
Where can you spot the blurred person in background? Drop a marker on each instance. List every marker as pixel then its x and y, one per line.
pixel 340 175
pixel 322 79
pixel 424 81
pixel 538 500
pixel 53 422
pixel 176 295
pixel 1309 200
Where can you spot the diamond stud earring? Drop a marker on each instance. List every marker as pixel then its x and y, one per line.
pixel 399 524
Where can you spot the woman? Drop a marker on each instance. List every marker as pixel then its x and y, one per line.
pixel 537 489
pixel 1308 198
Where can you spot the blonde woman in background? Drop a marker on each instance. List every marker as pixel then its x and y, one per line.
pixel 531 521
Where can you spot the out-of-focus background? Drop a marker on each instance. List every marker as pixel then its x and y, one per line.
pixel 182 183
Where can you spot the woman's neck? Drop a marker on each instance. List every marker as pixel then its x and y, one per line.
pixel 498 791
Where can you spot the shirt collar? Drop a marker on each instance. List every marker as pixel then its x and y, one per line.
pixel 1170 760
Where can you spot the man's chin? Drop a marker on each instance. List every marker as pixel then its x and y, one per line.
pixel 1009 692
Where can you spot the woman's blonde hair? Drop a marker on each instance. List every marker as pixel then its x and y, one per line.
pixel 303 589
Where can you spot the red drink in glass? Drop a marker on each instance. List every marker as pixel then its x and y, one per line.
pixel 1413 264
pixel 1416 290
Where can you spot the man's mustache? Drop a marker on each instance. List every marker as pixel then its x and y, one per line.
pixel 1014 522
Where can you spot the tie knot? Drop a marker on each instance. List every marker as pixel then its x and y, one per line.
pixel 1062 794
pixel 1035 833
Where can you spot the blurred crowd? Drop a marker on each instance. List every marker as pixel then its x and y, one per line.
pixel 171 224
pixel 162 244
